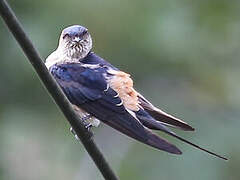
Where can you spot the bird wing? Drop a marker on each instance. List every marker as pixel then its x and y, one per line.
pixel 133 101
pixel 89 89
pixel 162 116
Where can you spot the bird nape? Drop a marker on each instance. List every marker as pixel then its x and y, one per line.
pixel 103 93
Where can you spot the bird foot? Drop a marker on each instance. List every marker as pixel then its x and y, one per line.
pixel 86 124
pixel 85 119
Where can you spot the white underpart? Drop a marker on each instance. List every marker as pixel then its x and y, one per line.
pixel 69 51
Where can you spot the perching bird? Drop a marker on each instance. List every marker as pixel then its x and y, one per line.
pixel 100 91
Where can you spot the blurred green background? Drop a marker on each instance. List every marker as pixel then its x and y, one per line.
pixel 183 56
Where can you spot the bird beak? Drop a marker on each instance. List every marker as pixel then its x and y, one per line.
pixel 77 39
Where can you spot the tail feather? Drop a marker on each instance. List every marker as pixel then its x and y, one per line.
pixel 163 117
pixel 150 138
pixel 130 126
pixel 169 120
pixel 162 144
pixel 197 146
pixel 149 122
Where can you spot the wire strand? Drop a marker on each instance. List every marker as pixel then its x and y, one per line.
pixel 50 84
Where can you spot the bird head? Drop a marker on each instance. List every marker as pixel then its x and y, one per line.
pixel 75 42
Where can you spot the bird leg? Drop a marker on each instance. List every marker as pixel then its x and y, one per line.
pixel 87 125
pixel 85 119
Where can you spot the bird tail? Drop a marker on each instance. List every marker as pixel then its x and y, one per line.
pixel 151 123
pixel 147 137
pixel 162 116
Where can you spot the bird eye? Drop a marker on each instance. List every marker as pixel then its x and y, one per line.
pixel 65 35
pixel 84 33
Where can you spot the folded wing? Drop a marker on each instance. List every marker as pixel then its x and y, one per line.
pixel 88 89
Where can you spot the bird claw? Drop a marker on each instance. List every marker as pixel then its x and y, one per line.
pixel 85 118
pixel 87 125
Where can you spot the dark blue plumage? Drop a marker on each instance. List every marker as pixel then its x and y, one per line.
pixel 74 31
pixel 92 58
pixel 87 88
pixel 106 93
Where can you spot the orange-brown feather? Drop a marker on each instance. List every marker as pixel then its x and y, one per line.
pixel 123 85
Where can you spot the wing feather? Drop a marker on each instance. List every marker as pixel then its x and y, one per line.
pixel 88 89
pixel 163 117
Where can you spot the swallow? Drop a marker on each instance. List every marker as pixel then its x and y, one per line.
pixel 99 91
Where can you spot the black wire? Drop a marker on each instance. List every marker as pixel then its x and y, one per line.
pixel 33 56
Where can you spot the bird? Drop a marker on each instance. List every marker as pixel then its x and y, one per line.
pixel 100 92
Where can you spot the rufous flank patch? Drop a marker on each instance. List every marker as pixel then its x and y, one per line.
pixel 123 85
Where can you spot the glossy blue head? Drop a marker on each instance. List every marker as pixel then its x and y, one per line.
pixel 75 42
pixel 75 31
